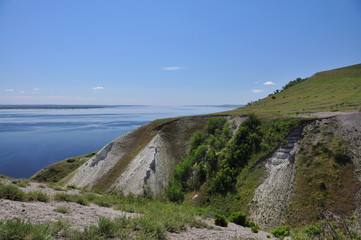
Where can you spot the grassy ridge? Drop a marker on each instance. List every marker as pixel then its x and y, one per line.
pixel 334 90
pixel 56 171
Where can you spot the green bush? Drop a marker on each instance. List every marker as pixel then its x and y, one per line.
pixel 71 187
pixel 220 220
pixel 12 192
pixel 196 140
pixel 281 231
pixel 214 124
pixel 254 229
pixel 239 218
pixel 174 192
pixel 37 196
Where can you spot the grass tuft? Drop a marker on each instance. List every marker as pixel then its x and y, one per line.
pixel 37 196
pixel 62 209
pixel 12 192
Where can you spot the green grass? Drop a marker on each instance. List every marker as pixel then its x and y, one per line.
pixel 17 229
pixel 334 90
pixel 57 171
pixel 37 196
pixel 12 192
pixel 62 209
pixel 77 198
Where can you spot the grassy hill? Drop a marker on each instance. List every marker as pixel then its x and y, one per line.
pixel 333 90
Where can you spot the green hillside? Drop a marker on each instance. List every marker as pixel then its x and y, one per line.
pixel 334 90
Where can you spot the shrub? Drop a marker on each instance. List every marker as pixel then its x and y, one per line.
pixel 214 124
pixel 37 196
pixel 196 140
pixel 174 192
pixel 281 231
pixel 220 220
pixel 238 218
pixel 12 192
pixel 254 229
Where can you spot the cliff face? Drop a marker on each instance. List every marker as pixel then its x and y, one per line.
pixel 316 173
pixel 271 198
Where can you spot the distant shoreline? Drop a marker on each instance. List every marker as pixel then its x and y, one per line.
pixel 58 106
pixel 55 106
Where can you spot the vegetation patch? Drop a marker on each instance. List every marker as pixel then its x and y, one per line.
pixel 224 170
pixel 20 229
pixel 329 227
pixel 77 198
pixel 37 196
pixel 281 231
pixel 324 182
pixel 57 171
pixel 62 209
pixel 12 192
pixel 220 220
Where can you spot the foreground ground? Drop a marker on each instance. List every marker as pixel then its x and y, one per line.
pixel 81 216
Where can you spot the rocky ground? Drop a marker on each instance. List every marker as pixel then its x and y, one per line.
pixel 232 232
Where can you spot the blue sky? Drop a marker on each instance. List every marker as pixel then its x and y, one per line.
pixel 169 52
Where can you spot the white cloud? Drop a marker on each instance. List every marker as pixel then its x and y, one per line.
pixel 269 83
pixel 98 88
pixel 22 92
pixel 36 89
pixel 257 90
pixel 172 68
pixel 9 90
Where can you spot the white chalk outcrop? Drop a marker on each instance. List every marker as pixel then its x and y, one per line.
pixel 271 198
pixel 95 168
pixel 148 172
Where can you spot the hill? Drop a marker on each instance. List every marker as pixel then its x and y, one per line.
pixel 333 90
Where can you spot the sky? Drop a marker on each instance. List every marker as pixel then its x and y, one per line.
pixel 169 52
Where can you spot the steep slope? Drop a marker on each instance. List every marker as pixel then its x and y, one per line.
pixel 271 198
pixel 317 172
pixel 141 169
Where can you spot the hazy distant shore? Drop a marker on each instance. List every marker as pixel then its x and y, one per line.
pixel 55 106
